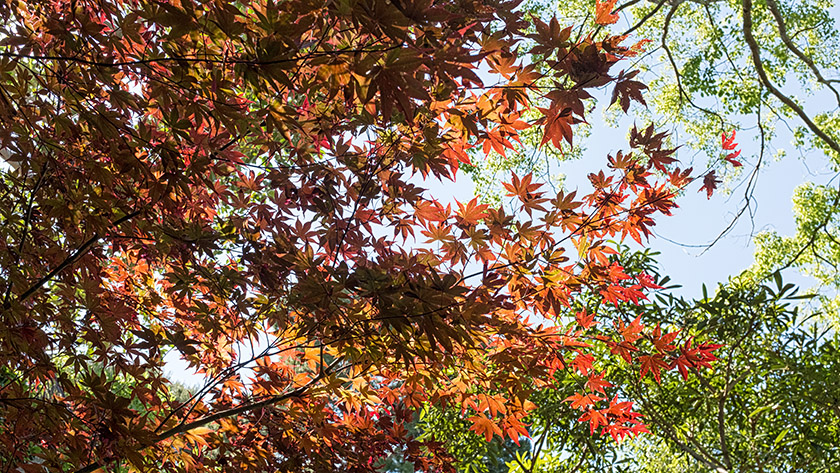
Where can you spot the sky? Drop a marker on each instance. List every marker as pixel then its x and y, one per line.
pixel 682 238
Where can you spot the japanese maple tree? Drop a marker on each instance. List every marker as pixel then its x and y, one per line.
pixel 241 183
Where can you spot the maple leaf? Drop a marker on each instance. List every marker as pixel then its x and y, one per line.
pixel 584 319
pixel 603 12
pixel 624 349
pixel 583 363
pixel 431 211
pixel 482 425
pixel 683 364
pixel 557 126
pixel 504 64
pixel 693 357
pixel 653 364
pixel 521 188
pixel 626 90
pixel 597 383
pixel 710 182
pixel 596 418
pixel 728 143
pixel 582 401
pixel 526 192
pixel 680 178
pixel 631 332
pixel 515 429
pixel 663 342
pixel 621 409
pixel 470 213
pixel 731 159
pixel 647 281
pixel 496 141
pixel 639 47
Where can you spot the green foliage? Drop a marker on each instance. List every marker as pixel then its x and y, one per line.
pixel 771 401
pixel 702 77
pixel 814 249
pixel 475 455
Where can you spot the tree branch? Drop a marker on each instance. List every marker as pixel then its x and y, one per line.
pixel 580 460
pixel 26 222
pixel 194 59
pixel 677 76
pixel 700 454
pixel 780 21
pixel 762 74
pixel 81 251
pixel 220 415
pixel 644 18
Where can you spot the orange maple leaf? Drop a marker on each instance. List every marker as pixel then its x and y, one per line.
pixel 484 426
pixel 585 320
pixel 604 14
pixel 580 401
pixel 597 383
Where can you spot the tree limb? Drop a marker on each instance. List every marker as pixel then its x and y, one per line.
pixel 762 74
pixel 780 21
pixel 644 18
pixel 81 251
pixel 218 416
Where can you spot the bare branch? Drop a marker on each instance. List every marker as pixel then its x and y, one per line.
pixel 644 18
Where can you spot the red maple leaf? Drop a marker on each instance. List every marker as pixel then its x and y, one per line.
pixel 710 182
pixel 729 144
pixel 663 342
pixel 595 418
pixel 597 383
pixel 692 357
pixel 653 363
pixel 626 90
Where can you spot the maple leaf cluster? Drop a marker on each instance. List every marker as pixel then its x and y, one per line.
pixel 710 180
pixel 728 144
pixel 236 184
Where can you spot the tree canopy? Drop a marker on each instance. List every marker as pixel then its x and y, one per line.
pixel 242 184
pixel 768 70
pixel 769 404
